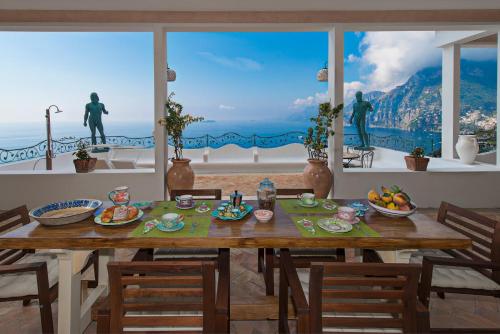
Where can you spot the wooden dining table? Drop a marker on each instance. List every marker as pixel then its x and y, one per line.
pixel 73 243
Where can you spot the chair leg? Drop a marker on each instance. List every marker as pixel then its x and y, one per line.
pixel 42 279
pixel 103 319
pixel 260 260
pixel 269 272
pixel 95 264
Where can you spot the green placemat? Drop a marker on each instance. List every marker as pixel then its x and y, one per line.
pixel 200 230
pixel 169 206
pixel 292 206
pixel 360 229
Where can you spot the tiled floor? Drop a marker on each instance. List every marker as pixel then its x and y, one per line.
pixel 455 311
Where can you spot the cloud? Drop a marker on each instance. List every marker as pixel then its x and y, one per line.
pixel 392 57
pixel 239 63
pixel 479 53
pixel 350 89
pixel 310 100
pixel 224 107
pixel 352 58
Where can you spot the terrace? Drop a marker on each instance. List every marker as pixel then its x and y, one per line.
pixel 242 278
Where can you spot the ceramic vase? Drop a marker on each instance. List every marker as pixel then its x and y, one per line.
pixel 318 176
pixel 180 175
pixel 467 148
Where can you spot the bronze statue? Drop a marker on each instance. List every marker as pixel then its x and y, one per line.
pixel 93 112
pixel 359 111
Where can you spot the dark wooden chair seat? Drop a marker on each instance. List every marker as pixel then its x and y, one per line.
pixel 181 296
pixel 473 271
pixel 353 297
pixel 268 258
pixel 145 254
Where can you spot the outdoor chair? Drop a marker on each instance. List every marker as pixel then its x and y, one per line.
pixel 171 297
pixel 473 271
pixel 268 258
pixel 145 254
pixel 352 297
pixel 365 159
pixel 26 274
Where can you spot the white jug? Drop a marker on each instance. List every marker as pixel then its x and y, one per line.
pixel 467 148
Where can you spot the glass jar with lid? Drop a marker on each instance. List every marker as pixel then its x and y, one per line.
pixel 266 195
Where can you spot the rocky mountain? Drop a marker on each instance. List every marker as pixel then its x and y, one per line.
pixel 416 105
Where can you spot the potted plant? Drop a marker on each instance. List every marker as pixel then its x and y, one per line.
pixel 417 161
pixel 180 175
pixel 84 163
pixel 317 175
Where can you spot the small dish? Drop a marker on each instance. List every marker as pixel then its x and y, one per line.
pixel 329 205
pixel 333 225
pixel 202 208
pixel 179 226
pixel 263 216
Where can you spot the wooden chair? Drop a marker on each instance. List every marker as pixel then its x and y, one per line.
pixel 173 296
pixel 26 275
pixel 473 271
pixel 355 297
pixel 268 258
pixel 145 254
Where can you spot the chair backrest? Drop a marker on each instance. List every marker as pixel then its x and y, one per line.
pixel 155 295
pixel 206 194
pixel 367 159
pixel 363 296
pixel 483 231
pixel 10 220
pixel 284 193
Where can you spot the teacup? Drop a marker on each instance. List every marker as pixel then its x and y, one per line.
pixel 170 220
pixel 307 198
pixel 119 196
pixel 184 201
pixel 346 213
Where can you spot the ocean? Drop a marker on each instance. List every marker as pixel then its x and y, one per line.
pixel 18 135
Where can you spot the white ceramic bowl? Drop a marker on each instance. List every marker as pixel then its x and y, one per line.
pixel 263 216
pixel 90 204
pixel 394 213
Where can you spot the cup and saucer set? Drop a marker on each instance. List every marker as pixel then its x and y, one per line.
pixel 186 202
pixel 308 200
pixel 171 222
pixel 341 222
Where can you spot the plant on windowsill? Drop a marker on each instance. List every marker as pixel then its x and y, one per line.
pixel 417 161
pixel 84 163
pixel 317 175
pixel 180 175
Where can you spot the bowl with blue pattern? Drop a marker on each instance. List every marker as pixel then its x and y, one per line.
pixel 65 212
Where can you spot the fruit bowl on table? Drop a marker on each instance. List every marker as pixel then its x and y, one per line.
pixel 392 202
pixel 65 212
pixel 394 213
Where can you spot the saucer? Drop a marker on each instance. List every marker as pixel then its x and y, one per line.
pixel 354 221
pixel 185 207
pixel 315 204
pixel 202 210
pixel 163 228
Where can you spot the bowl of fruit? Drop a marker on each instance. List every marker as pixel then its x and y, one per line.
pixel 392 202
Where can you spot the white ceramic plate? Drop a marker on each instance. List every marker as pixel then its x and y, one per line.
pixel 333 225
pixel 177 227
pixel 98 220
pixel 394 213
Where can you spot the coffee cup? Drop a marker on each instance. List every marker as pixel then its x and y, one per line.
pixel 307 198
pixel 346 213
pixel 170 220
pixel 184 201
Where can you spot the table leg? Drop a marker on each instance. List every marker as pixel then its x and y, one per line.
pixel 68 318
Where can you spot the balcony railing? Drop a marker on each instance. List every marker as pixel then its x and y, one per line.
pixel 393 142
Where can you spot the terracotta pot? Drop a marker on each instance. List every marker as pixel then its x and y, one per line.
pixel 416 164
pixel 318 176
pixel 180 175
pixel 84 165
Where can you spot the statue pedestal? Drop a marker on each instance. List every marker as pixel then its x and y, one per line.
pixel 100 150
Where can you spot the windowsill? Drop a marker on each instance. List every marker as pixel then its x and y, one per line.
pixel 465 169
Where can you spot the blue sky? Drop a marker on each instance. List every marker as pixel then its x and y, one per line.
pixel 219 75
